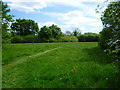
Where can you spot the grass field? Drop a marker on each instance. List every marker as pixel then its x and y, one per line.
pixel 57 65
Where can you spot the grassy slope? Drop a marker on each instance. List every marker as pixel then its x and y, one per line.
pixel 74 65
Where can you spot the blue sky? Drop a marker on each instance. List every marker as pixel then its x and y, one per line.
pixel 67 14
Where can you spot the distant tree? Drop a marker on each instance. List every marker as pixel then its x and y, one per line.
pixel 24 27
pixel 56 31
pixel 76 32
pixel 50 33
pixel 45 33
pixel 6 19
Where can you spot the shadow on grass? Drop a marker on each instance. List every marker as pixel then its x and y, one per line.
pixel 98 55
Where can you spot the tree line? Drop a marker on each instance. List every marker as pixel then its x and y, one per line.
pixel 27 31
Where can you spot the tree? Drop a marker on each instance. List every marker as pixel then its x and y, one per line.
pixel 45 33
pixel 6 19
pixel 76 32
pixel 24 27
pixel 56 31
pixel 49 33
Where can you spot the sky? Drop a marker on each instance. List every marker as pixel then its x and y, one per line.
pixel 66 14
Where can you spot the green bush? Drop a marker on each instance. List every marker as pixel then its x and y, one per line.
pixel 88 37
pixel 31 39
pixel 53 40
pixel 110 35
pixel 69 39
pixel 6 37
pixel 6 40
pixel 26 39
pixel 105 35
pixel 18 39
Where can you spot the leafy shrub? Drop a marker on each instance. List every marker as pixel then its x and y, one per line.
pixel 110 35
pixel 88 37
pixel 26 39
pixel 105 35
pixel 113 44
pixel 6 37
pixel 6 40
pixel 31 39
pixel 53 40
pixel 69 39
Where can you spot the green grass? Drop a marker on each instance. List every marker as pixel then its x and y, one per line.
pixel 74 65
pixel 13 52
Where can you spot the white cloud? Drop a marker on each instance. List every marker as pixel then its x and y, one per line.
pixel 49 23
pixel 46 24
pixel 78 19
pixel 56 1
pixel 28 6
pixel 34 5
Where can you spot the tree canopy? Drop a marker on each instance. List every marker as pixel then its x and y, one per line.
pixel 6 19
pixel 52 31
pixel 24 27
pixel 45 33
pixel 56 31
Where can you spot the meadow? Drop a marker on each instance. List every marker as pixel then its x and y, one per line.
pixel 57 65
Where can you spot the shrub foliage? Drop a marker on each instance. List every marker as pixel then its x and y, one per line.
pixel 69 38
pixel 88 37
pixel 110 35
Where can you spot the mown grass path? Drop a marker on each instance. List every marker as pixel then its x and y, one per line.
pixel 74 65
pixel 27 58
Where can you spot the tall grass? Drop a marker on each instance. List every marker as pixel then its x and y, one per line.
pixel 14 52
pixel 75 65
